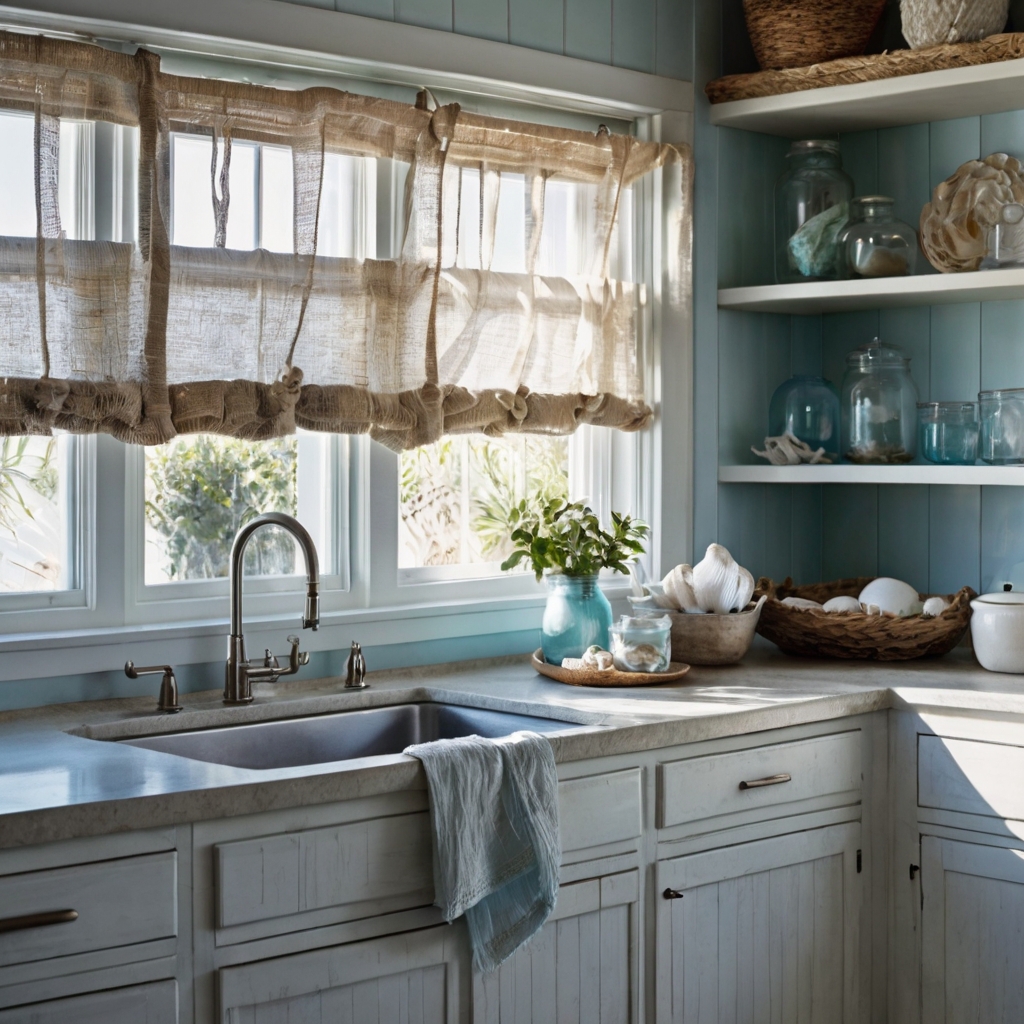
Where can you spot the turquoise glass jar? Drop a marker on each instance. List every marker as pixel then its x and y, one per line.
pixel 808 408
pixel 576 617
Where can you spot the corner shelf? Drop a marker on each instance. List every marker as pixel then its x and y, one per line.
pixel 975 476
pixel 909 99
pixel 880 293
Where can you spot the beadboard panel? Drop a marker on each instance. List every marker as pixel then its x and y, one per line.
pixel 939 538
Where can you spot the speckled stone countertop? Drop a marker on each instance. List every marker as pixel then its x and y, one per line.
pixel 59 780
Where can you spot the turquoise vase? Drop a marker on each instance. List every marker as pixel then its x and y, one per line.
pixel 576 616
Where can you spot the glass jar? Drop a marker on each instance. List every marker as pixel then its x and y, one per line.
pixel 1002 427
pixel 879 406
pixel 874 243
pixel 812 199
pixel 808 408
pixel 948 432
pixel 1006 239
pixel 577 616
pixel 642 643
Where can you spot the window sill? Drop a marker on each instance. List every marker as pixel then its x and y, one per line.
pixel 104 649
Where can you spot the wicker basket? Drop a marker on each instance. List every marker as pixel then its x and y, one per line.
pixel 795 33
pixel 816 634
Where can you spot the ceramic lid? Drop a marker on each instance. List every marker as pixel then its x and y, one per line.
pixel 1010 597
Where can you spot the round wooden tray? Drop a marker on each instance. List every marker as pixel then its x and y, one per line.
pixel 611 677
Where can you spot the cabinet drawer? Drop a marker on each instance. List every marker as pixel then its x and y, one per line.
pixel 156 1003
pixel 973 776
pixel 118 903
pixel 599 809
pixel 341 866
pixel 721 784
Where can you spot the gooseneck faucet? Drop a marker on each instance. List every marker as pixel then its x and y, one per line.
pixel 240 672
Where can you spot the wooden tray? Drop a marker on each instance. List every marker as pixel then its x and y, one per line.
pixel 611 677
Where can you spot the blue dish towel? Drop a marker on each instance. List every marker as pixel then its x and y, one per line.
pixel 494 811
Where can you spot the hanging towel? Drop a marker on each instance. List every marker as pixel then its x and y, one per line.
pixel 494 812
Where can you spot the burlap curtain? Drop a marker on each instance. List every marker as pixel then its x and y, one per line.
pixel 145 340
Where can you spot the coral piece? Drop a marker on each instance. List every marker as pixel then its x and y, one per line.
pixel 933 22
pixel 787 450
pixel 964 208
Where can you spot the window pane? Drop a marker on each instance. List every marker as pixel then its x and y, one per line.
pixel 33 520
pixel 17 176
pixel 276 199
pixel 201 489
pixel 456 495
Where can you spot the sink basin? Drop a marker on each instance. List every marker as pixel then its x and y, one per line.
pixel 286 743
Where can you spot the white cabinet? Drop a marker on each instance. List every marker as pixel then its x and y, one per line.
pixel 768 930
pixel 413 978
pixel 580 969
pixel 138 1004
pixel 972 933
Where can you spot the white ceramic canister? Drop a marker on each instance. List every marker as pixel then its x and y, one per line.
pixel 997 631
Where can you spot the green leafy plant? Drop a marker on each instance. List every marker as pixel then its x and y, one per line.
pixel 20 468
pixel 568 538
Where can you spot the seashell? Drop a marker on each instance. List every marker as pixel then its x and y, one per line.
pixel 892 596
pixel 788 450
pixel 842 604
pixel 934 606
pixel 720 585
pixel 802 602
pixel 678 587
pixel 595 657
pixel 955 225
pixel 934 22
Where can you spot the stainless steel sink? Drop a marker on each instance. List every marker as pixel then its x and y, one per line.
pixel 286 743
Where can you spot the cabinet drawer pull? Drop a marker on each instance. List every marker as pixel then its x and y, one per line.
pixel 47 917
pixel 672 894
pixel 771 780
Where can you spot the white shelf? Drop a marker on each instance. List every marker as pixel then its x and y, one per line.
pixel 977 476
pixel 912 99
pixel 878 293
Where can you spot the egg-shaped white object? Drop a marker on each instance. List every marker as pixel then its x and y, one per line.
pixel 892 596
pixel 935 606
pixel 842 604
pixel 801 602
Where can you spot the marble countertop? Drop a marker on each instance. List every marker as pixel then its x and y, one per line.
pixel 60 780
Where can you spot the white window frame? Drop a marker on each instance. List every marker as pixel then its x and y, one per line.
pixel 370 598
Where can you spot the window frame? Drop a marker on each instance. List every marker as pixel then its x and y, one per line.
pixel 373 597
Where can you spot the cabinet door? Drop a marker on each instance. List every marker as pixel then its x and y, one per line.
pixel 581 968
pixel 156 1003
pixel 972 933
pixel 765 931
pixel 413 978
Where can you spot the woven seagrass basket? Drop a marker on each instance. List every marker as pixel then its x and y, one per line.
pixel 795 33
pixel 856 635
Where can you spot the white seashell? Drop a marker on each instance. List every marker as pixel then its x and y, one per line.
pixel 597 658
pixel 678 587
pixel 935 606
pixel 801 602
pixel 892 596
pixel 719 584
pixel 842 604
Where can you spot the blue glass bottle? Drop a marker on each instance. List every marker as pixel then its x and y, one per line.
pixel 808 408
pixel 576 617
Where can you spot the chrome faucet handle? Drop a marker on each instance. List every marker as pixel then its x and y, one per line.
pixel 168 700
pixel 296 659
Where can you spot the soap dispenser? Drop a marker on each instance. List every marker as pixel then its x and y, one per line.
pixel 355 669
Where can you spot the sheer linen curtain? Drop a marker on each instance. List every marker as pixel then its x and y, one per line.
pixel 145 340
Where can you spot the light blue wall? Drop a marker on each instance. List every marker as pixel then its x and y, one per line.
pixel 653 36
pixel 938 538
pixel 645 35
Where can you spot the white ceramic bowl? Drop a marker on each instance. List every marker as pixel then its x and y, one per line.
pixel 997 631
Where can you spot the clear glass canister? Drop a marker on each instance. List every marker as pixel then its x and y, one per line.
pixel 812 198
pixel 642 643
pixel 808 408
pixel 948 432
pixel 874 243
pixel 1002 427
pixel 879 406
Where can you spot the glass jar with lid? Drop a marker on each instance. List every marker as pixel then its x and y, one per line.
pixel 879 405
pixel 874 243
pixel 808 408
pixel 812 198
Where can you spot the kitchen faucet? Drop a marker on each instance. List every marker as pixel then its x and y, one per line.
pixel 240 672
